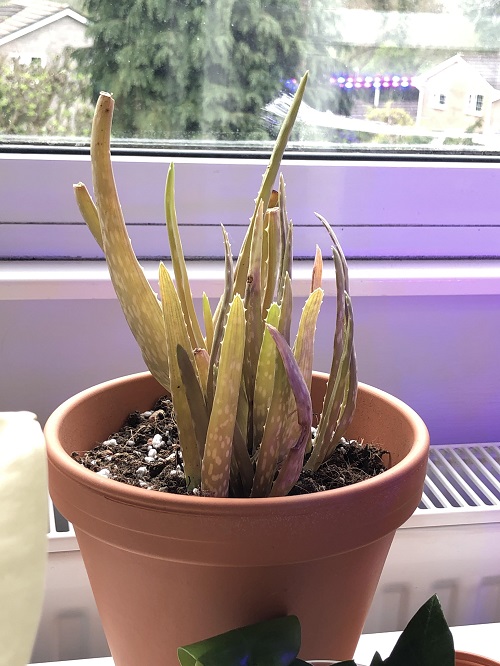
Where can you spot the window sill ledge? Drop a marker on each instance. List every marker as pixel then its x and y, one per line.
pixel 74 280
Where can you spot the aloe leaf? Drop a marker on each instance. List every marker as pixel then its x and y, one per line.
pixel 286 309
pixel 243 461
pixel 303 348
pixel 202 360
pixel 304 355
pixel 327 438
pixel 221 314
pixel 177 336
pixel 179 264
pixel 269 450
pixel 286 261
pixel 268 180
pixel 218 446
pixel 273 442
pixel 317 273
pixel 139 303
pixel 89 212
pixel 273 257
pixel 264 380
pixel 196 401
pixel 253 309
pixel 274 642
pixel 293 463
pixel 338 247
pixel 349 404
pixel 426 639
pixel 209 323
pixel 338 346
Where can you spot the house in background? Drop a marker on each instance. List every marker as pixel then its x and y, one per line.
pixel 460 94
pixel 37 30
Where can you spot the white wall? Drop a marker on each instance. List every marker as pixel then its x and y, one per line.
pixel 441 354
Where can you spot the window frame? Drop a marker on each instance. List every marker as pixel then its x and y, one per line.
pixel 408 207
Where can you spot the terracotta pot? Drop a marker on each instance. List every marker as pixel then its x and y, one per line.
pixel 170 570
pixel 468 659
pixel 461 659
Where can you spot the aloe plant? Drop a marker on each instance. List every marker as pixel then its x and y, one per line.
pixel 240 388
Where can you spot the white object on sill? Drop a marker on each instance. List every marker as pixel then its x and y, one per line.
pixel 23 525
pixel 449 546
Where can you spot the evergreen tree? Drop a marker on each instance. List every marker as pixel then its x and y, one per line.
pixel 198 68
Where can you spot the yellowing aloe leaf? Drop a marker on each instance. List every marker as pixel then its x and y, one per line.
pixel 303 351
pixel 219 443
pixel 317 274
pixel 221 314
pixel 292 465
pixel 209 323
pixel 177 336
pixel 326 438
pixel 253 307
pixel 273 244
pixel 138 301
pixel 89 212
pixel 179 264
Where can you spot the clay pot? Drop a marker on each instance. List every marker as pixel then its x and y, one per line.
pixel 468 659
pixel 169 570
pixel 461 659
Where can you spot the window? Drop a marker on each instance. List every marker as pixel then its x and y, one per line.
pixel 206 86
pixel 475 104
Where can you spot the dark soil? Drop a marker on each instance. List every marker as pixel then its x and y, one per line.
pixel 146 453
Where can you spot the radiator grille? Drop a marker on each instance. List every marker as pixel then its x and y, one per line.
pixel 462 485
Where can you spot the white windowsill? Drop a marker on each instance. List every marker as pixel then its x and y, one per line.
pixel 39 280
pixel 479 639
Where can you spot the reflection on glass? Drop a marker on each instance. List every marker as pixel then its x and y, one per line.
pixel 383 73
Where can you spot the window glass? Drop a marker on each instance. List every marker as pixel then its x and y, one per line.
pixel 390 73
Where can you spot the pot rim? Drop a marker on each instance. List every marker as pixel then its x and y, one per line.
pixel 128 494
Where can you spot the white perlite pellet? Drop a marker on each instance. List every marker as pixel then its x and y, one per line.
pixel 105 473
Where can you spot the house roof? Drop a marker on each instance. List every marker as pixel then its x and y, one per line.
pixel 24 16
pixel 484 67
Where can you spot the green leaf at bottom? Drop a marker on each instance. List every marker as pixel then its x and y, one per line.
pixel 271 643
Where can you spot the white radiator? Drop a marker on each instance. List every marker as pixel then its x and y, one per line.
pixel 451 546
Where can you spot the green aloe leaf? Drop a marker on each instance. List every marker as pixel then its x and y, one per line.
pixel 271 643
pixel 267 184
pixel 179 264
pixel 139 303
pixel 202 360
pixel 219 443
pixel 177 336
